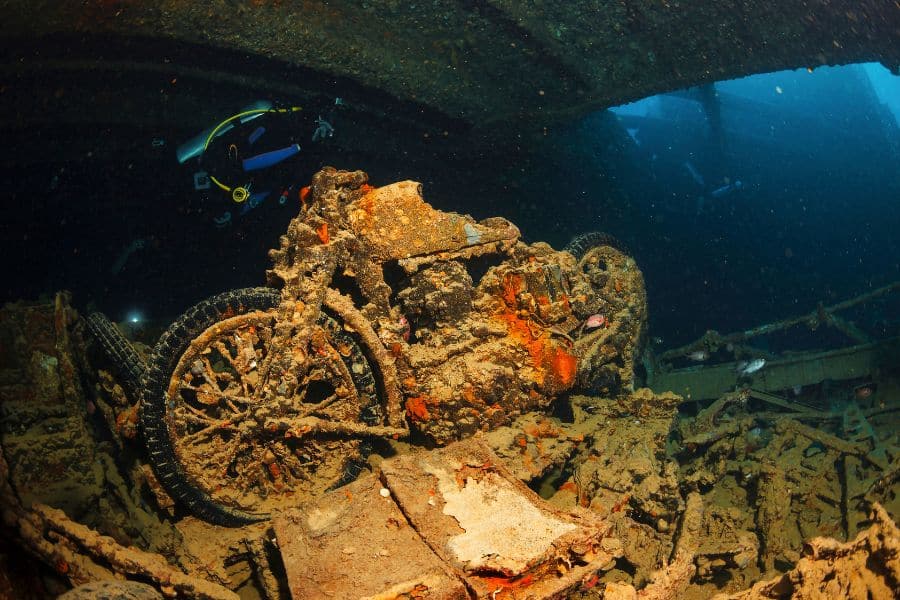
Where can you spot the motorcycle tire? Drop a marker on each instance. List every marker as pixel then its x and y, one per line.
pixel 127 364
pixel 184 356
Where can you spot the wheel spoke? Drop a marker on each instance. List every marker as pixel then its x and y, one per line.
pixel 232 449
pixel 209 374
pixel 193 419
pixel 222 395
pixel 224 352
pixel 231 405
pixel 199 413
pixel 194 437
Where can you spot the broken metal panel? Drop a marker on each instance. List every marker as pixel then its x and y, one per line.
pixel 707 383
pixel 495 531
pixel 355 542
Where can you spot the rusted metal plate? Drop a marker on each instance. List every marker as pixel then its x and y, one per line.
pixel 354 543
pixel 397 223
pixel 501 536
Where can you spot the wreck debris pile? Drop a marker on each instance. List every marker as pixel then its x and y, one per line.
pixel 44 436
pixel 436 529
pixel 767 481
pixel 612 459
pixel 395 324
pixel 867 567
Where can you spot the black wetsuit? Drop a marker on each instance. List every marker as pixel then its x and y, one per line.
pixel 278 183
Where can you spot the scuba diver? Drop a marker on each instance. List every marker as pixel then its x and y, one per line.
pixel 707 194
pixel 252 156
pixel 706 201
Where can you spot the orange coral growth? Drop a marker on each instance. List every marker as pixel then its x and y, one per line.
pixel 564 365
pixel 304 194
pixel 367 203
pixel 498 584
pixel 528 462
pixel 469 394
pixel 590 581
pixel 521 334
pixel 546 357
pixel 322 232
pixel 62 567
pixel 513 283
pixel 366 188
pixel 365 218
pixel 416 408
pixel 544 429
pixel 518 327
pixel 623 501
pixel 569 486
pixel 126 423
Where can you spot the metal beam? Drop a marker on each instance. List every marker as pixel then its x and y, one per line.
pixel 808 368
pixel 480 61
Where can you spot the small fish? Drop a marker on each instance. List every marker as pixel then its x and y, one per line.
pixel 864 391
pixel 405 327
pixel 698 355
pixel 748 368
pixel 595 321
pixel 656 341
pixel 125 254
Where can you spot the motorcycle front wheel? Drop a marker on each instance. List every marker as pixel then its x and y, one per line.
pixel 217 443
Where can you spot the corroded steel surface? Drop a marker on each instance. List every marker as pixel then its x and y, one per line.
pixel 497 60
pixel 397 223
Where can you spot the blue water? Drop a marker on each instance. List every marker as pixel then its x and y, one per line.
pixel 814 221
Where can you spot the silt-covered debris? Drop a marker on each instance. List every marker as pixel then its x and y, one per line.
pixel 382 410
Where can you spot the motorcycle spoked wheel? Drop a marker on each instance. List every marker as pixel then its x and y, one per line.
pixel 203 411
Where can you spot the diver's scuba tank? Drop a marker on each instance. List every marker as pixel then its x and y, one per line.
pixel 248 164
pixel 723 191
pixel 200 142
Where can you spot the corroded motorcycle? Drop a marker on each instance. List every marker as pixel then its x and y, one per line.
pixel 384 318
